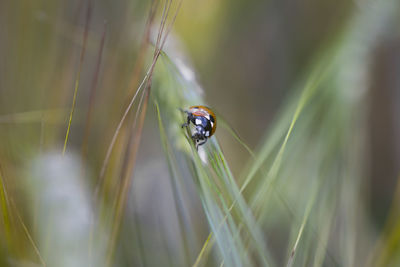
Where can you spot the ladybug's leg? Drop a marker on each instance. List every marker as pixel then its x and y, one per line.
pixel 201 142
pixel 186 124
pixel 188 117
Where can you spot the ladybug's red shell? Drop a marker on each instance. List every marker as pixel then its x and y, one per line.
pixel 204 116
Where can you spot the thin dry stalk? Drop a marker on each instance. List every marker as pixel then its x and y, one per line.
pixel 78 77
pixel 93 90
pixel 134 142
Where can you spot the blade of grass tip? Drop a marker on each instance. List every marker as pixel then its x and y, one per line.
pixel 93 89
pixel 78 76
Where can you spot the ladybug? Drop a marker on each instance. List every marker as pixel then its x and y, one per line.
pixel 204 120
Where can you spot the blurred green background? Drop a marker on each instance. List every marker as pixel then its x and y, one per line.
pixel 251 59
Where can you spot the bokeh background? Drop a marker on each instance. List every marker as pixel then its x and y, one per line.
pixel 250 58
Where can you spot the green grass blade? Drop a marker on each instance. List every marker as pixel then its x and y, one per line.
pixel 78 75
pixel 234 229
